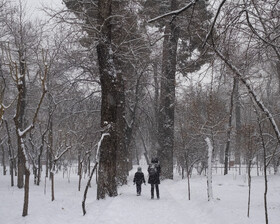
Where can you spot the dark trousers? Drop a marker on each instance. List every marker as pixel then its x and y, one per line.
pixel 138 188
pixel 152 190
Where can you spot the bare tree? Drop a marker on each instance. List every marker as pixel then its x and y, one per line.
pixel 21 133
pixel 229 128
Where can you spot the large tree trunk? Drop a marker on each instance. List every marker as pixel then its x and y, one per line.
pixel 122 157
pixel 20 118
pixel 167 97
pixel 155 136
pixel 106 184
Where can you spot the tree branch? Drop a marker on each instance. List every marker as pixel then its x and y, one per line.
pixel 258 101
pixel 214 22
pixel 175 12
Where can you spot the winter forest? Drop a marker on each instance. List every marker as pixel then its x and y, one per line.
pixel 92 90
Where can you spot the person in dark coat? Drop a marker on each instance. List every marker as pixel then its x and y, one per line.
pixel 154 170
pixel 138 180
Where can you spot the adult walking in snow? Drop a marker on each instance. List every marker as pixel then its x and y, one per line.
pixel 138 180
pixel 154 172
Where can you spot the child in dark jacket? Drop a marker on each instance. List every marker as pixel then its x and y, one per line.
pixel 138 180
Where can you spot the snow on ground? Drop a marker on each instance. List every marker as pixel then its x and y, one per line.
pixel 229 206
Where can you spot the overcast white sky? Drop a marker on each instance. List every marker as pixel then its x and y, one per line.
pixel 33 7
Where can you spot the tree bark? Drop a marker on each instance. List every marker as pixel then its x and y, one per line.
pixel 167 97
pixel 26 192
pixel 52 185
pixel 122 156
pixel 20 117
pixel 155 135
pixel 106 184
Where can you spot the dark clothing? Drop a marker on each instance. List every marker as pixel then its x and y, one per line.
pixel 153 189
pixel 139 179
pixel 138 189
pixel 154 179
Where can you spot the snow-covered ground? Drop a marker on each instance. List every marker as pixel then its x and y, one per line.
pixel 229 206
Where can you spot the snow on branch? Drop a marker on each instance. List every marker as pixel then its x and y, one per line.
pixel 99 144
pixel 258 101
pixel 3 107
pixel 209 170
pixel 24 132
pixel 175 12
pixel 61 154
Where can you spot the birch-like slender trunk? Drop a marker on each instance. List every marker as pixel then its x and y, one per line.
pixel 86 189
pixel 11 154
pixel 238 124
pixel 229 130
pixel 188 176
pixel 209 170
pixel 4 161
pixel 249 185
pixel 264 170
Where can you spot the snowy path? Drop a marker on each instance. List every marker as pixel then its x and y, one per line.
pixel 127 208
